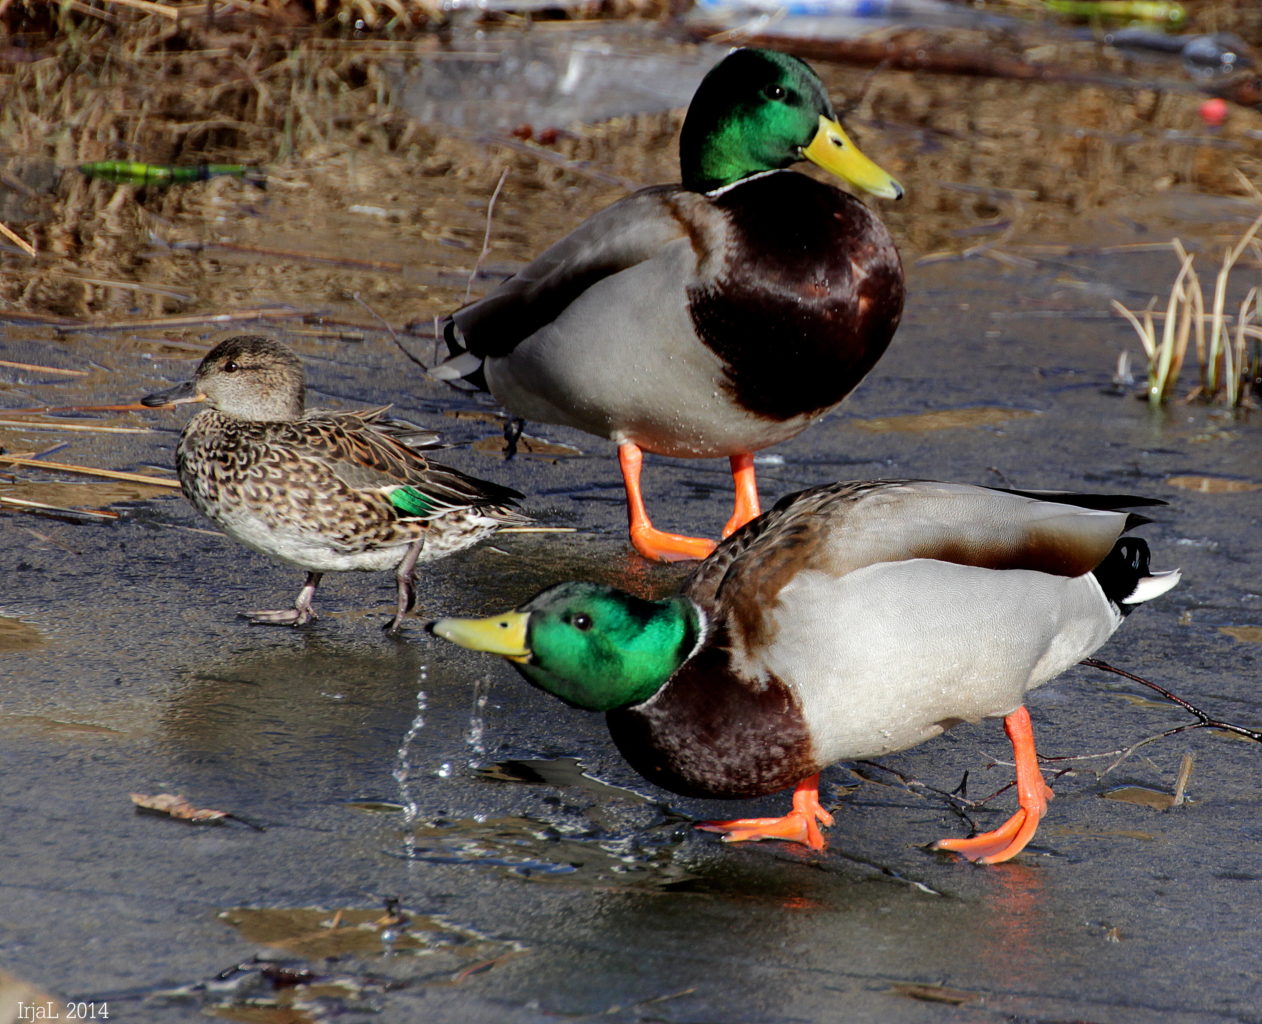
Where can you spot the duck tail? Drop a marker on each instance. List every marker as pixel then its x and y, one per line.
pixel 1154 586
pixel 461 367
pixel 1125 578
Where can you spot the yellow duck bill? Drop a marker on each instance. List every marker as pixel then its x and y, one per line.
pixel 503 634
pixel 832 150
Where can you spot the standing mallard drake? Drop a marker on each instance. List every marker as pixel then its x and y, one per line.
pixel 852 620
pixel 707 319
pixel 322 491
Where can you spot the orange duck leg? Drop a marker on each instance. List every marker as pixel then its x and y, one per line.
pixel 1010 838
pixel 745 506
pixel 645 537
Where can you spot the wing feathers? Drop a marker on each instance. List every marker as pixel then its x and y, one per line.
pixel 632 230
pixel 842 527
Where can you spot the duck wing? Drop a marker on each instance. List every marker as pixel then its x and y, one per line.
pixel 411 435
pixel 367 456
pixel 629 232
pixel 839 528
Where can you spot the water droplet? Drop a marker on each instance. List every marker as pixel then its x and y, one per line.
pixel 476 736
pixel 402 772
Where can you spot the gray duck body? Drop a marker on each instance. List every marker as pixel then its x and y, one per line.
pixel 711 318
pixel 858 619
pixel 693 325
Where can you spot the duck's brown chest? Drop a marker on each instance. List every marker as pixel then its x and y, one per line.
pixel 708 734
pixel 810 295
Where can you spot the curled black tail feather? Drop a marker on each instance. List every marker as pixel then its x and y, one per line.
pixel 456 346
pixel 1122 569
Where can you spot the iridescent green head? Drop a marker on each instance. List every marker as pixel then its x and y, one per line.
pixel 758 110
pixel 593 646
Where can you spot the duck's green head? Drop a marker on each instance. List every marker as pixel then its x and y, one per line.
pixel 758 110
pixel 593 646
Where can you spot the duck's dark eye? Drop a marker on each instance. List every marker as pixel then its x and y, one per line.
pixel 774 92
pixel 230 366
pixel 581 622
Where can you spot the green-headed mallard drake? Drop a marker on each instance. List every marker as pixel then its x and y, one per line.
pixel 322 491
pixel 710 318
pixel 851 621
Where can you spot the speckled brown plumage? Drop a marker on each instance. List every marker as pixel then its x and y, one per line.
pixel 321 490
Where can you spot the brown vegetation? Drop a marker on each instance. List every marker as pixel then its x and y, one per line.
pixel 286 85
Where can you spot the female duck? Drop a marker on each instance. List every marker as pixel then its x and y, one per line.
pixel 321 491
pixel 851 621
pixel 707 319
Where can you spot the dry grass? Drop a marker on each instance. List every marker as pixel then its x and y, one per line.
pixel 167 92
pixel 1222 336
pixel 260 83
pixel 281 84
pixel 142 86
pixel 75 19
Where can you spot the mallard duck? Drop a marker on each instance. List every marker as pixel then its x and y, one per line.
pixel 851 621
pixel 710 318
pixel 321 491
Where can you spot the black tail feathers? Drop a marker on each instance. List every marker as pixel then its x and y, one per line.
pixel 1122 570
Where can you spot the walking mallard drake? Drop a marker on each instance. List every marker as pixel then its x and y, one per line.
pixel 321 491
pixel 711 318
pixel 852 620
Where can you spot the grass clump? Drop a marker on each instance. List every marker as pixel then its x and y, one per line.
pixel 1225 342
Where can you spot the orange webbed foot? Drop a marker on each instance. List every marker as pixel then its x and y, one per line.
pixel 999 845
pixel 800 825
pixel 1033 793
pixel 661 546
pixel 649 541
